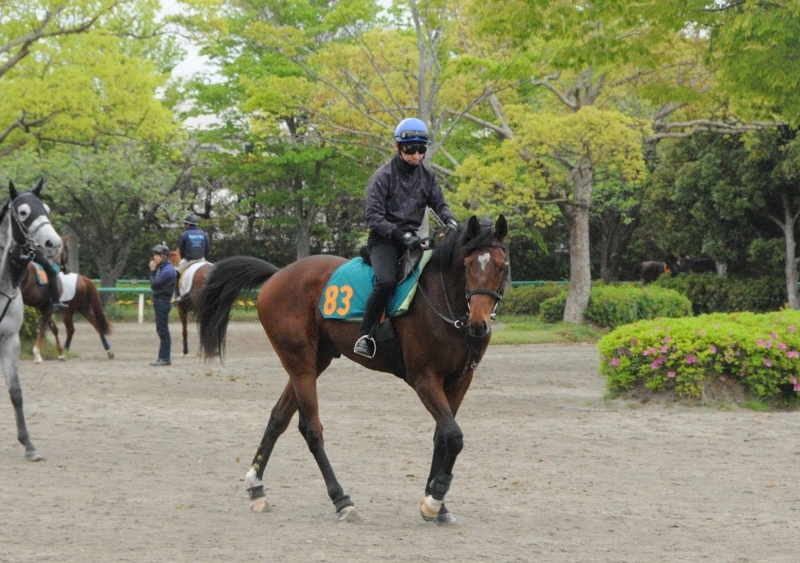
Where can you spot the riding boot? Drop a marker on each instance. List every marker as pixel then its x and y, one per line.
pixel 52 282
pixel 376 303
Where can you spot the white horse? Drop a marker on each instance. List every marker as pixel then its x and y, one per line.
pixel 25 229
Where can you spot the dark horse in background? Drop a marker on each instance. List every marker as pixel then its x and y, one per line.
pixel 86 301
pixel 650 271
pixel 187 302
pixel 25 229
pixel 697 265
pixel 451 311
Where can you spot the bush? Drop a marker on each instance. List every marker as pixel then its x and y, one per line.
pixel 615 305
pixel 759 351
pixel 526 300
pixel 710 293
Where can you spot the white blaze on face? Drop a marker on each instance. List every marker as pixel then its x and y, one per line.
pixel 484 259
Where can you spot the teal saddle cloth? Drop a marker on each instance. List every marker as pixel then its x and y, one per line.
pixel 346 293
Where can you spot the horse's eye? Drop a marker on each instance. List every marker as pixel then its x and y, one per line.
pixel 24 210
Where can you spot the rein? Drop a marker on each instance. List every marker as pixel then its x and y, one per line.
pixel 474 343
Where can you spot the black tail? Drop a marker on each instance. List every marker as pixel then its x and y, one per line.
pixel 213 307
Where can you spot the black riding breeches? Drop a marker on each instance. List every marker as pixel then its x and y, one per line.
pixel 384 256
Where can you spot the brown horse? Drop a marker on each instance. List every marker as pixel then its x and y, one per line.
pixel 187 302
pixel 442 338
pixel 85 301
pixel 651 270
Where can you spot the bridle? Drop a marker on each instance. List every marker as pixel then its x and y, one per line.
pixel 29 245
pixel 474 343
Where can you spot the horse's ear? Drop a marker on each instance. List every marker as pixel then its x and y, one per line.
pixel 473 227
pixel 501 228
pixel 12 190
pixel 37 189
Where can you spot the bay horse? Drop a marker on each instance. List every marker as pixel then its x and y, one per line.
pixel 86 301
pixel 443 337
pixel 24 229
pixel 187 302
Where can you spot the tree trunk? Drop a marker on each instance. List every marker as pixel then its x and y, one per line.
pixel 614 239
pixel 791 257
pixel 577 214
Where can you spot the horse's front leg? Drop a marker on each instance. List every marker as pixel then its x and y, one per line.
pixel 9 358
pixel 183 313
pixel 448 440
pixel 54 329
pixel 37 346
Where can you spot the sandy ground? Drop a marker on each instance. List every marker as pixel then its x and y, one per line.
pixel 147 464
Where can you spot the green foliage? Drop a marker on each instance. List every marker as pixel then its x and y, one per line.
pixel 758 351
pixel 30 327
pixel 710 293
pixel 615 305
pixel 525 300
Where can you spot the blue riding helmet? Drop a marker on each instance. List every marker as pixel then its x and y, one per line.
pixel 411 130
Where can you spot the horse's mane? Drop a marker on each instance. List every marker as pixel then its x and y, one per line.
pixel 456 246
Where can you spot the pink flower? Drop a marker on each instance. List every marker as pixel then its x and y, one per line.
pixel 713 349
pixel 760 342
pixel 782 346
pixel 767 362
pixel 690 359
pixel 615 362
pixel 722 378
pixel 634 342
pixel 769 344
pixel 655 365
pixel 793 379
pixel 646 352
pixel 773 335
pixel 664 349
pixel 670 374
pixel 792 354
pixel 790 328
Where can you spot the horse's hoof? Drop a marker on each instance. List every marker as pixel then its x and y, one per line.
pixel 445 519
pixel 430 508
pixel 260 505
pixel 110 355
pixel 33 455
pixel 62 358
pixel 349 514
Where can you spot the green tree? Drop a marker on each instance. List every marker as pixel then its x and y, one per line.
pixel 76 71
pixel 108 198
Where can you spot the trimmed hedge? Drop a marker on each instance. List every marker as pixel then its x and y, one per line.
pixel 614 305
pixel 710 293
pixel 759 351
pixel 527 299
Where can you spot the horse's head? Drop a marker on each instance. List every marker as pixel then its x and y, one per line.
pixel 174 257
pixel 30 220
pixel 486 265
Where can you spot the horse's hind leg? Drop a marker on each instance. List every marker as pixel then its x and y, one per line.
pixel 9 358
pixel 183 313
pixel 279 420
pixel 37 346
pixel 311 428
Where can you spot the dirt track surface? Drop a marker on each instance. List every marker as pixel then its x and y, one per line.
pixel 147 465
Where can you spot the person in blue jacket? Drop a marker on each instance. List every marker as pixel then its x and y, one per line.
pixel 397 195
pixel 162 282
pixel 193 246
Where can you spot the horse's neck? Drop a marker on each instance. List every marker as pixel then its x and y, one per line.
pixel 450 284
pixel 7 246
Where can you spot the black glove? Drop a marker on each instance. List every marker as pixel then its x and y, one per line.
pixel 450 227
pixel 412 241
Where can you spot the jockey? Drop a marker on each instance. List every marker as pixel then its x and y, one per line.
pixel 193 246
pixel 51 269
pixel 397 195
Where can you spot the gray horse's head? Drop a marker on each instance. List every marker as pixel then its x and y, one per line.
pixel 33 220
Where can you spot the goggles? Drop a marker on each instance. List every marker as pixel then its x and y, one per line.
pixel 414 135
pixel 413 149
